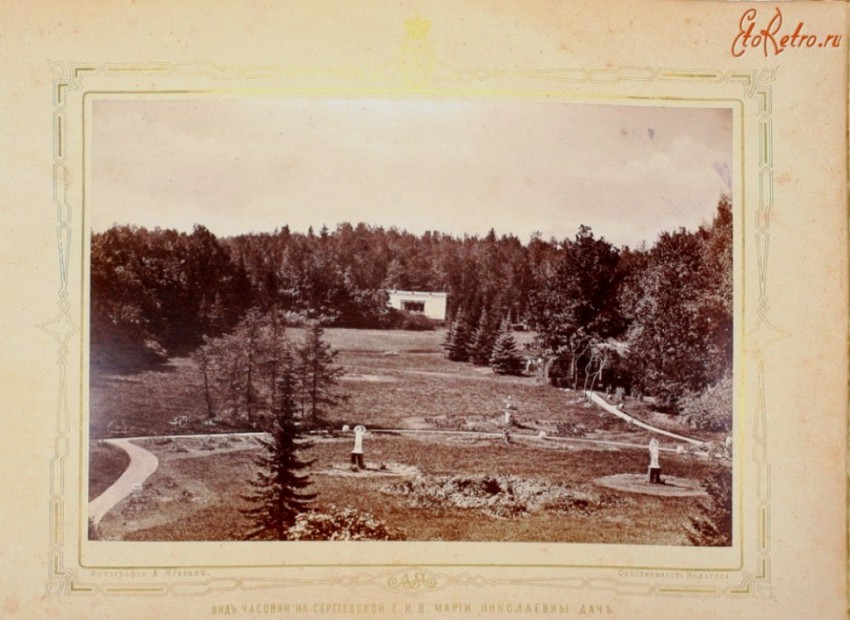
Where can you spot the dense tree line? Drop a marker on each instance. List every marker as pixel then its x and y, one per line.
pixel 678 308
pixel 159 292
pixel 345 273
pixel 155 293
pixel 656 320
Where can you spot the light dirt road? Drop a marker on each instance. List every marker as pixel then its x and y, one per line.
pixel 596 398
pixel 142 465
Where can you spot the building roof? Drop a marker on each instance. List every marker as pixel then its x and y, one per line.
pixel 429 293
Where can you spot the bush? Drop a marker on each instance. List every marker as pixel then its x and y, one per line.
pixel 340 524
pixel 502 497
pixel 571 429
pixel 401 319
pixel 710 410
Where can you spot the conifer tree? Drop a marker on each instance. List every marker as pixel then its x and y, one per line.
pixel 483 339
pixel 504 359
pixel 318 376
pixel 280 495
pixel 458 339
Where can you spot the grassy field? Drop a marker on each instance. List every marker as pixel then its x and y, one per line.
pixel 401 381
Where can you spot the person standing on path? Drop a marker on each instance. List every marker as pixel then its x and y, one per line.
pixel 654 467
pixel 357 452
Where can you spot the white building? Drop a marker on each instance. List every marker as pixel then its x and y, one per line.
pixel 432 305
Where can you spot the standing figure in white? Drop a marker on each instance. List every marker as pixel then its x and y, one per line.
pixel 510 408
pixel 357 452
pixel 654 467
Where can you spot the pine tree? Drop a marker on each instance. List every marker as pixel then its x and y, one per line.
pixel 458 339
pixel 318 376
pixel 279 495
pixel 483 339
pixel 505 360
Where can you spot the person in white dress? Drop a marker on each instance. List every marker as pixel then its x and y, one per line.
pixel 510 409
pixel 357 452
pixel 654 467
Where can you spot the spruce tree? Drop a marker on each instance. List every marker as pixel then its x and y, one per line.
pixel 483 339
pixel 504 359
pixel 458 339
pixel 279 488
pixel 318 376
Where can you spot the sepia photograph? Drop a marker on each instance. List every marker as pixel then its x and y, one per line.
pixel 410 320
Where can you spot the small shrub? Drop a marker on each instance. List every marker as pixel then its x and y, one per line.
pixel 570 429
pixel 401 319
pixel 339 524
pixel 710 410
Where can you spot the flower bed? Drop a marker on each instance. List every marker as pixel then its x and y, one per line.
pixel 502 497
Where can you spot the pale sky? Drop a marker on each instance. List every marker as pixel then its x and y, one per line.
pixel 247 164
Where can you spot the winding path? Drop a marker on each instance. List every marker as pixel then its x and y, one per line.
pixel 596 398
pixel 142 465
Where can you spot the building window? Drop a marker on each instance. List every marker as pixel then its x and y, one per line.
pixel 413 306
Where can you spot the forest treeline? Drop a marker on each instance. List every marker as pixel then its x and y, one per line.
pixel 655 319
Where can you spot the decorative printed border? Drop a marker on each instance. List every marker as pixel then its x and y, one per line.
pixel 416 74
pixel 61 327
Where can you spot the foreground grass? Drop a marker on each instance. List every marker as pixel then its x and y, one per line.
pixel 194 497
pixel 106 464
